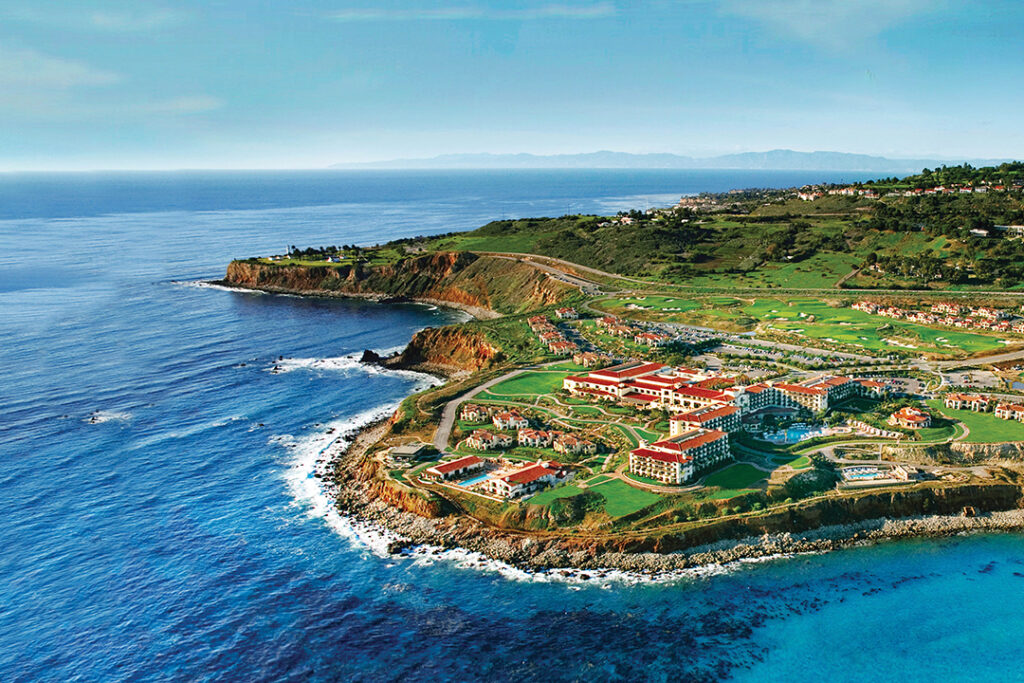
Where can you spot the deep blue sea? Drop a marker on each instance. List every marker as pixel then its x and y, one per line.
pixel 157 517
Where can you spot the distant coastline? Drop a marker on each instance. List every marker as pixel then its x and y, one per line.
pixel 774 160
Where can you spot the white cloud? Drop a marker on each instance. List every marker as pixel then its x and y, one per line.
pixel 828 23
pixel 24 68
pixel 459 13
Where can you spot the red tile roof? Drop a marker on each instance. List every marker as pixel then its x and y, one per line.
pixel 600 381
pixel 660 455
pixel 683 443
pixel 797 389
pixel 528 474
pixel 628 370
pixel 697 392
pixel 705 414
pixel 453 465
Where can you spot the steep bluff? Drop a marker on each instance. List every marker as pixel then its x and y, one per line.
pixel 479 284
pixel 454 348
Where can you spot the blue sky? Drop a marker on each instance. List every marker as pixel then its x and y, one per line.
pixel 304 83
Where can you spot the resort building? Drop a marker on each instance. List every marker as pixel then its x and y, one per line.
pixel 677 459
pixel 455 468
pixel 526 480
pixel 409 452
pixel 471 412
pixel 589 359
pixel 510 420
pixel 725 418
pixel 573 445
pixel 536 438
pixel 652 339
pixel 654 385
pixel 911 418
pixel 567 313
pixel 956 401
pixel 562 348
pixel 1010 411
pixel 483 440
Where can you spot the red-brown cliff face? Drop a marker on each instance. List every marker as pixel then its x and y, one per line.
pixel 477 283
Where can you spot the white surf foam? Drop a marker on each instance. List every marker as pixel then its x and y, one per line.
pixel 101 416
pixel 348 364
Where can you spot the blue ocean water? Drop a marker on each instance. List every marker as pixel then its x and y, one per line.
pixel 159 521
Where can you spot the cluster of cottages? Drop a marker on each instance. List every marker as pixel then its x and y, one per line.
pixel 983 404
pixel 487 440
pixel 706 408
pixel 549 334
pixel 510 481
pixel 952 315
pixel 809 194
pixel 611 325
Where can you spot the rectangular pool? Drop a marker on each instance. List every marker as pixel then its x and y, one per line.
pixel 474 480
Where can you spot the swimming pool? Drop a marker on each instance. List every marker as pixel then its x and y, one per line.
pixel 862 473
pixel 474 480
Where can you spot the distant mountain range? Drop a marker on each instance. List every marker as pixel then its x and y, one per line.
pixel 776 159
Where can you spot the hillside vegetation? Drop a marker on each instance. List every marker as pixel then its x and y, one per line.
pixel 772 239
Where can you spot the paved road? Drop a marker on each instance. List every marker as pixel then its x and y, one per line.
pixel 450 412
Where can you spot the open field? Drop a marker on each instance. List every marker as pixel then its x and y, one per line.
pixel 736 476
pixel 809 317
pixel 550 495
pixel 984 427
pixel 532 382
pixel 622 499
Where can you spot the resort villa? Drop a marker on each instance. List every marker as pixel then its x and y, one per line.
pixel 472 412
pixel 528 479
pixel 978 404
pixel 455 468
pixel 510 420
pixel 1010 411
pixel 573 445
pixel 484 440
pixel 911 418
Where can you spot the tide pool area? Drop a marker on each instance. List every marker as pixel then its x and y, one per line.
pixel 160 521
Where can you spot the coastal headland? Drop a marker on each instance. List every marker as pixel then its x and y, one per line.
pixel 738 376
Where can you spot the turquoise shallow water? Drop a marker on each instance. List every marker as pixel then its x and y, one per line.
pixel 158 518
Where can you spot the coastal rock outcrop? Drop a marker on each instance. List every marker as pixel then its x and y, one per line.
pixel 451 348
pixel 484 286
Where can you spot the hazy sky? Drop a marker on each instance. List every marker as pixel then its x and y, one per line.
pixel 305 83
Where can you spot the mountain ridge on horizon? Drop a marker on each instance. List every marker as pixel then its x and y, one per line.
pixel 775 160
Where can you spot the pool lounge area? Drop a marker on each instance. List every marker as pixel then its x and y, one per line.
pixel 467 483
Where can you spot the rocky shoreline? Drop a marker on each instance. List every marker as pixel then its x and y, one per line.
pixel 356 496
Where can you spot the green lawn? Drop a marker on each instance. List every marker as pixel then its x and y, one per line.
pixel 589 411
pixel 800 463
pixel 647 434
pixel 551 495
pixel 984 427
pixel 736 476
pixel 599 479
pixel 622 499
pixel 532 382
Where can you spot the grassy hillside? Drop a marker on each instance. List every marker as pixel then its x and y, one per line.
pixel 773 239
